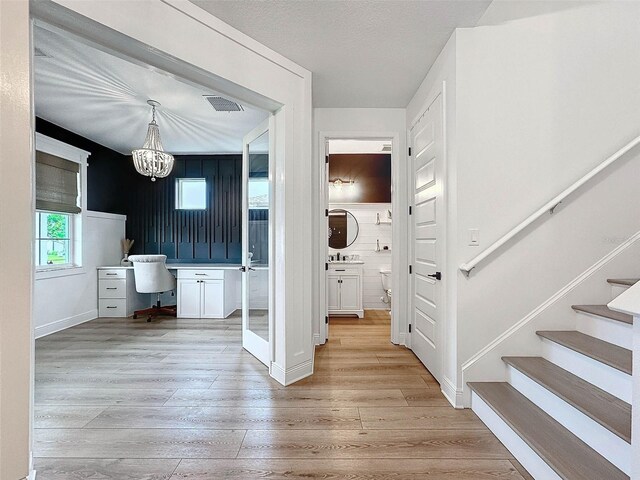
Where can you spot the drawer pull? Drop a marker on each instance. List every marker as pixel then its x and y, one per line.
pixel 109 306
pixel 202 274
pixel 340 270
pixel 112 274
pixel 112 288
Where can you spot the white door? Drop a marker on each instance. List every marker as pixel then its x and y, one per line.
pixel 257 207
pixel 212 293
pixel 427 218
pixel 349 292
pixel 188 298
pixel 333 292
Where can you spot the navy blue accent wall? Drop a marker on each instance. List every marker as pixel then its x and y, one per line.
pixel 211 235
pixel 114 186
pixel 108 173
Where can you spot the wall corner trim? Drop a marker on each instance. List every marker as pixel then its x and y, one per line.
pixel 291 375
pixel 451 393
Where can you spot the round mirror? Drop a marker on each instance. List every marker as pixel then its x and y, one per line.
pixel 343 228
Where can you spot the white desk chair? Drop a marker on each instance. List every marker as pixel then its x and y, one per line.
pixel 152 276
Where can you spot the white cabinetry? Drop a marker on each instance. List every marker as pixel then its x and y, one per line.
pixel 117 293
pixel 206 293
pixel 344 288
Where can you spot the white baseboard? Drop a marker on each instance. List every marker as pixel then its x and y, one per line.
pixel 64 323
pixel 317 339
pixel 291 375
pixel 451 393
pixel 32 475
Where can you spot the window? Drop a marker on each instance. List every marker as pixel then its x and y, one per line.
pixel 258 193
pixel 61 172
pixel 191 194
pixel 53 239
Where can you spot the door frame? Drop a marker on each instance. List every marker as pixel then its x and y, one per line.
pixel 444 324
pixel 268 126
pixel 399 326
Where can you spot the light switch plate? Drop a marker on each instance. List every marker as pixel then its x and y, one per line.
pixel 474 237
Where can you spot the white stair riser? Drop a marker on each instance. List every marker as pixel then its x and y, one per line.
pixel 607 378
pixel 617 290
pixel 607 444
pixel 606 329
pixel 529 459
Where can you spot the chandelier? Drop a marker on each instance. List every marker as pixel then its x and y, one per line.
pixel 151 160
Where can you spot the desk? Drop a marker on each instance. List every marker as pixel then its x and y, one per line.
pixel 205 290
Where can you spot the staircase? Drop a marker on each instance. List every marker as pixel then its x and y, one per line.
pixel 567 414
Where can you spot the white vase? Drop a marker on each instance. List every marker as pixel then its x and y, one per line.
pixel 125 261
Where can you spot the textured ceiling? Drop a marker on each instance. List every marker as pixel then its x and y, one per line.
pixel 104 98
pixel 363 53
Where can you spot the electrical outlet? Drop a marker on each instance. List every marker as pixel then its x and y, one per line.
pixel 474 237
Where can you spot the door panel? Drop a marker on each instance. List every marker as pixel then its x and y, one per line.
pixel 188 298
pixel 349 294
pixel 427 139
pixel 257 201
pixel 212 298
pixel 333 292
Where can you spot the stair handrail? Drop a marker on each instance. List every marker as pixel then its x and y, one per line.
pixel 547 207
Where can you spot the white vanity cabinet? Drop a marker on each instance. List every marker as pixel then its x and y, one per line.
pixel 206 293
pixel 344 288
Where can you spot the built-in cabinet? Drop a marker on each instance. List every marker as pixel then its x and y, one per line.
pixel 206 293
pixel 117 293
pixel 344 288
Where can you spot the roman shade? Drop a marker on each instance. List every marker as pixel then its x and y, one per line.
pixel 56 184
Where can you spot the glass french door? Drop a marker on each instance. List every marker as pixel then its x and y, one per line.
pixel 257 201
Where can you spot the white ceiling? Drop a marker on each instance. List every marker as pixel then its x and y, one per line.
pixel 363 53
pixel 104 98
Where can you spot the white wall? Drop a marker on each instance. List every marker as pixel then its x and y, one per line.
pixel 361 123
pixel 365 246
pixel 16 239
pixel 61 302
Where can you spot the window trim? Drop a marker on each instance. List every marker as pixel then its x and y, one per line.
pixel 60 149
pixel 178 192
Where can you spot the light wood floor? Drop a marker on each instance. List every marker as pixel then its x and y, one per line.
pixel 123 399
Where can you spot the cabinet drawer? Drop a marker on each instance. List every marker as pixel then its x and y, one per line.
pixel 112 273
pixel 108 288
pixel 116 307
pixel 343 271
pixel 201 274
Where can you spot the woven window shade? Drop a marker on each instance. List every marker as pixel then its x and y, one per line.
pixel 56 184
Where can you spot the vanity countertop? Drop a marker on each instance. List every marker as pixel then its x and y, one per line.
pixel 346 262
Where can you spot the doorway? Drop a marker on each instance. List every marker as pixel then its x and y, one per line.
pixel 359 249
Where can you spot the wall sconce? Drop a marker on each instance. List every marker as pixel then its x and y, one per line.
pixel 338 183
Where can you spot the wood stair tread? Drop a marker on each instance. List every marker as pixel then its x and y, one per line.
pixel 599 405
pixel 604 311
pixel 607 353
pixel 627 282
pixel 565 453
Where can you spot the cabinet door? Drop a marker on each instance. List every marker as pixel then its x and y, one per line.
pixel 212 298
pixel 189 298
pixel 333 290
pixel 350 292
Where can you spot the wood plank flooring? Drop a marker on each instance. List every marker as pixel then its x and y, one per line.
pixel 123 399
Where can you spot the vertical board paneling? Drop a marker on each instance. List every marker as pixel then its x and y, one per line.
pixel 212 235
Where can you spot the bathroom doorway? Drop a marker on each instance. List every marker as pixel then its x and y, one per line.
pixel 359 242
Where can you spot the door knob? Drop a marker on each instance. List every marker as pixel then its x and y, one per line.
pixel 437 275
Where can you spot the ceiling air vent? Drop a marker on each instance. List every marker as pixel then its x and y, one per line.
pixel 221 104
pixel 38 53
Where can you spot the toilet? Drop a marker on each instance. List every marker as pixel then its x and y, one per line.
pixel 385 275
